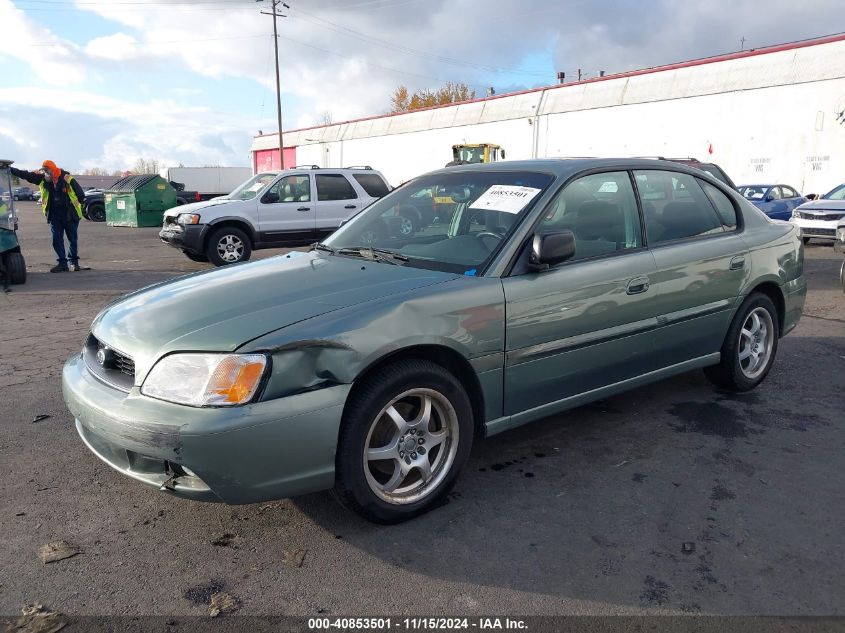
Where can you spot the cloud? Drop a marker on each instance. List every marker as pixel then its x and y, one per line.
pixel 54 60
pixel 96 131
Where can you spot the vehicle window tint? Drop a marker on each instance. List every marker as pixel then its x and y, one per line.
pixel 686 212
pixel 334 187
pixel 601 210
pixel 372 184
pixel 292 189
pixel 789 192
pixel 775 194
pixel 723 204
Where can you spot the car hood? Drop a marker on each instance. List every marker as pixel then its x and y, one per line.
pixel 823 205
pixel 198 206
pixel 222 309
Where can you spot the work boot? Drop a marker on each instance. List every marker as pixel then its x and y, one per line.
pixel 59 268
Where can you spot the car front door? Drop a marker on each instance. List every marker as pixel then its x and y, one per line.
pixel 792 199
pixel 587 322
pixel 702 263
pixel 286 211
pixel 337 200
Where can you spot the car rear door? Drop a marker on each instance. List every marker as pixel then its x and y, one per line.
pixel 588 322
pixel 702 263
pixel 337 200
pixel 286 211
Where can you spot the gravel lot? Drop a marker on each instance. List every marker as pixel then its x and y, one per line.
pixel 584 513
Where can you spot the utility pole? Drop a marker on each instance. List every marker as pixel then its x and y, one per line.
pixel 742 43
pixel 276 14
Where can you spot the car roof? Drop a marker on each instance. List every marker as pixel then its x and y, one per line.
pixel 565 167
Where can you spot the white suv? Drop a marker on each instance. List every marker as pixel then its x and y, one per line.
pixel 275 208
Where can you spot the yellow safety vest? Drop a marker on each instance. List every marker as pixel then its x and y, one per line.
pixel 45 196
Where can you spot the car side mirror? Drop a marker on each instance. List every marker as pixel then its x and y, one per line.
pixel 548 249
pixel 769 197
pixel 503 154
pixel 270 197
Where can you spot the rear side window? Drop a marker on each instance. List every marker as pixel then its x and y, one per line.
pixel 723 204
pixel 685 212
pixel 601 210
pixel 372 184
pixel 334 187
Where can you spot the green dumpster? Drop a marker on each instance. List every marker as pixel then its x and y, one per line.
pixel 139 200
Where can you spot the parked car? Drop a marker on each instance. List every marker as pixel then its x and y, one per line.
pixel 271 209
pixel 23 193
pixel 371 368
pixel 776 201
pixel 94 205
pixel 819 218
pixel 839 247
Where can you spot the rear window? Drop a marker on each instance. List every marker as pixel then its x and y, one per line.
pixel 334 187
pixel 372 184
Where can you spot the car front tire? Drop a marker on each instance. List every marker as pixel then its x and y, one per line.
pixel 228 245
pixel 750 346
pixel 15 267
pixel 407 432
pixel 96 212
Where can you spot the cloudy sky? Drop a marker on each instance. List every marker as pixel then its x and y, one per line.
pixel 101 83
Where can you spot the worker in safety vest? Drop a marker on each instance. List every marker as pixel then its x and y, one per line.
pixel 61 202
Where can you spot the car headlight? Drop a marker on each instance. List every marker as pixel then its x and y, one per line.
pixel 200 380
pixel 188 218
pixel 840 234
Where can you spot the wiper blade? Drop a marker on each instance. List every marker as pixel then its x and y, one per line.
pixel 375 254
pixel 319 246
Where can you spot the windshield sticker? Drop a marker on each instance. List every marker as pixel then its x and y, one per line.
pixel 507 198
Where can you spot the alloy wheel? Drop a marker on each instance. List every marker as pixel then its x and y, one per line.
pixel 411 446
pixel 230 248
pixel 756 339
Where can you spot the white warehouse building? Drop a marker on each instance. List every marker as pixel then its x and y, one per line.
pixel 771 115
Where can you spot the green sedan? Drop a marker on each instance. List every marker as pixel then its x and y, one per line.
pixel 370 364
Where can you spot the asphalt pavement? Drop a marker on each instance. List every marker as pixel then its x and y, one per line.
pixel 673 498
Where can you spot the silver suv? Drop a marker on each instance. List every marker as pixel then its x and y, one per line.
pixel 272 209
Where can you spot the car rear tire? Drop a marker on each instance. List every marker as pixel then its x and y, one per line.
pixel 228 245
pixel 97 212
pixel 407 431
pixel 15 267
pixel 750 346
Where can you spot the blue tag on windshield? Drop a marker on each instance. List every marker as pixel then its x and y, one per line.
pixel 470 273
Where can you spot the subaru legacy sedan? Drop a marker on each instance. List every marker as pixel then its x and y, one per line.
pixel 371 364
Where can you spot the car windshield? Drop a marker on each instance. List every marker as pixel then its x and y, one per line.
pixel 251 187
pixel 452 221
pixel 753 192
pixel 837 193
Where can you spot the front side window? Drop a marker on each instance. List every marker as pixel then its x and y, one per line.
pixel 600 210
pixel 453 222
pixel 334 187
pixel 687 212
pixel 291 189
pixel 789 192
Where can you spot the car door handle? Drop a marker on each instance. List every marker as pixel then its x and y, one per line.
pixel 349 206
pixel 738 263
pixel 637 285
pixel 303 208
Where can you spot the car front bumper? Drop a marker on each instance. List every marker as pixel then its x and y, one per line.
pixel 258 452
pixel 190 237
pixel 816 228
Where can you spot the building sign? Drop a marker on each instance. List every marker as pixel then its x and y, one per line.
pixel 759 165
pixel 818 163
